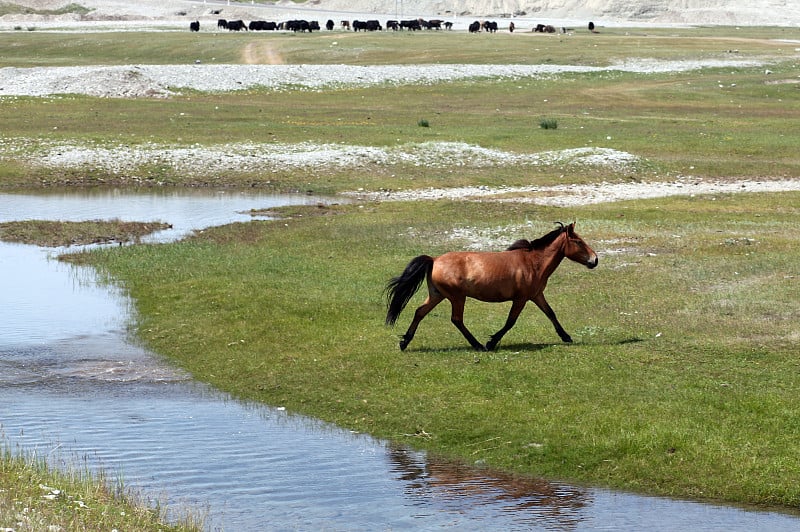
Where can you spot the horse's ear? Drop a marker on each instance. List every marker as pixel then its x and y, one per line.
pixel 571 228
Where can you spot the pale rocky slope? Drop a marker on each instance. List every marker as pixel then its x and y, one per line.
pixel 557 12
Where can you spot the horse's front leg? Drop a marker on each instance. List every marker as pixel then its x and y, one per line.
pixel 457 317
pixel 513 314
pixel 541 302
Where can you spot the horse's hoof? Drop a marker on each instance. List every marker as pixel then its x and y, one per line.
pixel 567 339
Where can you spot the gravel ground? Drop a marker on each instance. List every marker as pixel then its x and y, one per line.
pixel 160 80
pixel 163 80
pixel 571 195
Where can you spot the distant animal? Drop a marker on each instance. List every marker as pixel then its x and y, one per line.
pixel 257 25
pixel 448 25
pixel 222 23
pixel 368 25
pixel 490 26
pixel 412 24
pixel 475 27
pixel 345 24
pixel 518 274
pixel 329 25
pixel 591 26
pixel 511 27
pixel 236 25
pixel 392 25
pixel 194 26
pixel 297 25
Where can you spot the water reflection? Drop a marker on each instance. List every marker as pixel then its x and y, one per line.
pixel 72 388
pixel 535 502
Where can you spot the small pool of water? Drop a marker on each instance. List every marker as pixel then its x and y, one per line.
pixel 75 389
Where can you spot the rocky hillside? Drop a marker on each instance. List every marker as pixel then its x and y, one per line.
pixel 722 12
pixel 557 12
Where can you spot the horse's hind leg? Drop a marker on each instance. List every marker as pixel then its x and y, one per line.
pixel 431 301
pixel 457 317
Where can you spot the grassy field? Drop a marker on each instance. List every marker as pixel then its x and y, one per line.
pixel 683 377
pixel 34 496
pixel 682 380
pixel 50 233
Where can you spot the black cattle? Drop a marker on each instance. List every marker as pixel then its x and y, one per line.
pixel 435 24
pixel 541 28
pixel 369 25
pixel 301 25
pixel 236 25
pixel 222 23
pixel 511 27
pixel 412 25
pixel 329 25
pixel 475 27
pixel 392 25
pixel 448 25
pixel 255 25
pixel 490 26
pixel 194 26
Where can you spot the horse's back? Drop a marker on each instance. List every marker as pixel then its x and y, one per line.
pixel 483 275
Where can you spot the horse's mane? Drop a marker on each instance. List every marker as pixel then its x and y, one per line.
pixel 539 243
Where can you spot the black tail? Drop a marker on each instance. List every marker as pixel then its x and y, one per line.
pixel 400 289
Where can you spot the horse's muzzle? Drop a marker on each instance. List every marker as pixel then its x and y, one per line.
pixel 592 263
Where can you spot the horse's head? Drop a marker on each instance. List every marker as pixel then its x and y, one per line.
pixel 578 250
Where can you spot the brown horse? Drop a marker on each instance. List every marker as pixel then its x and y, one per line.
pixel 518 274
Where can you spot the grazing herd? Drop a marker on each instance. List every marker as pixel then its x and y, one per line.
pixel 416 24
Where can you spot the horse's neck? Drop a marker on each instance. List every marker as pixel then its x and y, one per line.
pixel 551 257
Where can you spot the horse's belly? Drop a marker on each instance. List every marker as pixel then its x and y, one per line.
pixel 490 292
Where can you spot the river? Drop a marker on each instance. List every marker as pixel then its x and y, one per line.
pixel 75 388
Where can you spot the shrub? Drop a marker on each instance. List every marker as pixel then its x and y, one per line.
pixel 548 123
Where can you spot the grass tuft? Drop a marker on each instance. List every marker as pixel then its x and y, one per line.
pixel 548 123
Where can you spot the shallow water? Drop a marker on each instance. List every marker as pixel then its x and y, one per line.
pixel 72 388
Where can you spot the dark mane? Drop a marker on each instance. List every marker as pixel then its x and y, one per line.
pixel 539 243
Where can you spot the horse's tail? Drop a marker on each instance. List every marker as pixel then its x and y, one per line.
pixel 400 289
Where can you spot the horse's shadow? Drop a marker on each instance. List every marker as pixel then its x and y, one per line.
pixel 527 347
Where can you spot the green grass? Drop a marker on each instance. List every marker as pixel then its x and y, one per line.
pixel 36 497
pixel 614 44
pixel 682 379
pixel 58 233
pixel 680 124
